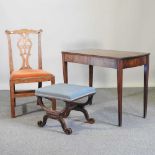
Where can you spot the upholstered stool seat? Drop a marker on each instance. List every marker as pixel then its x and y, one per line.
pixel 67 93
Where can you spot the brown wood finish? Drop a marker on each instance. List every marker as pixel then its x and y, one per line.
pixel 119 89
pixel 60 115
pixel 146 76
pixel 24 44
pixel 90 75
pixel 91 60
pixel 111 59
pixel 65 69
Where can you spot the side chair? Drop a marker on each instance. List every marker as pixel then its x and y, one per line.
pixel 25 74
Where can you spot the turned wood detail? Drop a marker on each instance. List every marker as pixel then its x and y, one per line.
pixel 64 113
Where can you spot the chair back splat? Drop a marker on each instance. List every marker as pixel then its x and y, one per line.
pixel 24 45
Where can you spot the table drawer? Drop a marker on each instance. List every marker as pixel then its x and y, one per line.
pixel 90 60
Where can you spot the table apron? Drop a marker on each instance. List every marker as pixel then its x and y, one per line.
pixel 133 62
pixel 90 60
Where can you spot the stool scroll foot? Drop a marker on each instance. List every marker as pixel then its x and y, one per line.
pixel 85 112
pixel 91 121
pixel 67 131
pixel 42 123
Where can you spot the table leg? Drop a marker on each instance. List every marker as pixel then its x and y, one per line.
pixel 90 75
pixel 119 91
pixel 65 70
pixel 146 75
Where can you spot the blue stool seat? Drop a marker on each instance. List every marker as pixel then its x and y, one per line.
pixel 65 92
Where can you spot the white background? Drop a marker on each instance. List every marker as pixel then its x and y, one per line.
pixel 82 24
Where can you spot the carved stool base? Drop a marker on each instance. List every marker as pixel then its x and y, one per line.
pixel 60 115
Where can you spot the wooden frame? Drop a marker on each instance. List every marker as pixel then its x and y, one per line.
pixel 24 44
pixel 118 60
pixel 64 113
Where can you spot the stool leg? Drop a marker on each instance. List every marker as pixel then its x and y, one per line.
pixel 85 112
pixel 68 131
pixel 81 107
pixel 54 115
pixel 66 111
pixel 60 115
pixel 42 123
pixel 66 114
pixel 53 104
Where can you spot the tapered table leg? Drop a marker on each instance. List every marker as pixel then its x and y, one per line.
pixel 119 91
pixel 146 75
pixel 65 70
pixel 90 75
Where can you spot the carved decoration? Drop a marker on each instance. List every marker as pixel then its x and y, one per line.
pixel 25 44
pixel 64 113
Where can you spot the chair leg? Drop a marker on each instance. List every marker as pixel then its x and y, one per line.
pixel 53 100
pixel 39 84
pixel 12 100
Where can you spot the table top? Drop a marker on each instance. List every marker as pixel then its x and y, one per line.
pixel 113 54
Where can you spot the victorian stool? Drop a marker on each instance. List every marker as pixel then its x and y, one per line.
pixel 68 93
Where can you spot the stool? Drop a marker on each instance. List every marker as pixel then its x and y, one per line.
pixel 69 94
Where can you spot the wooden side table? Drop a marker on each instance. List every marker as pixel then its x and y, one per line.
pixel 111 59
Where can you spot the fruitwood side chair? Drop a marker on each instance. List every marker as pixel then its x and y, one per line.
pixel 26 74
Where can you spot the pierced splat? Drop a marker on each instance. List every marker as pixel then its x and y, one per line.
pixel 25 44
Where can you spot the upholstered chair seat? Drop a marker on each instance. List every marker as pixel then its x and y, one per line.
pixel 29 73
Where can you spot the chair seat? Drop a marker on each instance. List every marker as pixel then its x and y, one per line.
pixel 29 73
pixel 66 92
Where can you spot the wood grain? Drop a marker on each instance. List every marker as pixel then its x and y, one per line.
pixel 25 44
pixel 111 59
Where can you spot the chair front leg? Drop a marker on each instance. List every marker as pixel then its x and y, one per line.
pixel 12 99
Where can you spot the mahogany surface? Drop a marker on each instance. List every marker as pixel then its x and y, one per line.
pixel 111 59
